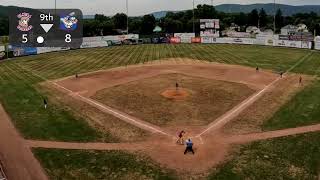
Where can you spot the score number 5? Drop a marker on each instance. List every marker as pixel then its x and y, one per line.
pixel 24 38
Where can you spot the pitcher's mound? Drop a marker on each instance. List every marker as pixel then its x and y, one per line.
pixel 174 94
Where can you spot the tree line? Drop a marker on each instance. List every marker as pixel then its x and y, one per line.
pixel 183 21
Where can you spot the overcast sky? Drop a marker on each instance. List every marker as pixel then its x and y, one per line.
pixel 137 7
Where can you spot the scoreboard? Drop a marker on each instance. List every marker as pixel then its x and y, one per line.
pixel 45 27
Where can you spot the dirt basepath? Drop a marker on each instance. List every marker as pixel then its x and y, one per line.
pixel 166 152
pixel 273 134
pixel 238 139
pixel 16 157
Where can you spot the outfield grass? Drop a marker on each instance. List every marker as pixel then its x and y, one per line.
pixel 76 164
pixel 60 64
pixel 295 157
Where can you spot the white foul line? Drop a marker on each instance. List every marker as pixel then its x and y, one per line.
pixel 112 111
pixel 251 100
pixel 238 108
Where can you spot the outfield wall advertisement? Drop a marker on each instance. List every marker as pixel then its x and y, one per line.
pixel 317 43
pixel 2 52
pixel 92 42
pixel 41 50
pixel 23 51
pixel 185 37
pixel 292 44
pixel 268 41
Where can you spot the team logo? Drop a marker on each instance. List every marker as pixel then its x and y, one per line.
pixel 24 19
pixel 68 22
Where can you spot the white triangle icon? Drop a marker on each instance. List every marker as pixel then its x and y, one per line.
pixel 46 27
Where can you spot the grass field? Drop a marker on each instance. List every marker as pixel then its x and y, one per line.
pixel 294 157
pixel 75 164
pixel 18 74
pixel 23 101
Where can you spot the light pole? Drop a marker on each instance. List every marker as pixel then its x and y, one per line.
pixel 55 7
pixel 127 6
pixel 193 17
pixel 274 17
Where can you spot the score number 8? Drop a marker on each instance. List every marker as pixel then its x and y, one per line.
pixel 68 38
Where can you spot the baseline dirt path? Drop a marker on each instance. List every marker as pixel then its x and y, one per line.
pixel 16 157
pixel 167 153
pixel 238 139
pixel 273 134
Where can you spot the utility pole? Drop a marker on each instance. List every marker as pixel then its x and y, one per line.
pixel 193 17
pixel 274 17
pixel 127 5
pixel 55 7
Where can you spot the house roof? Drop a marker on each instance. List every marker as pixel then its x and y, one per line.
pixel 289 26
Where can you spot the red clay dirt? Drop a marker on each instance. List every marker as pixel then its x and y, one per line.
pixel 174 94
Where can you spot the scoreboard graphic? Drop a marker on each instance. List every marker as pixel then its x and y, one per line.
pixel 46 27
pixel 209 27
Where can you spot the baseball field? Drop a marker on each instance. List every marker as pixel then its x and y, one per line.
pixel 120 117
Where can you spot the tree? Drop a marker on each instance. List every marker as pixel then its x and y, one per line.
pixel 253 18
pixel 148 23
pixel 263 18
pixel 120 21
pixel 279 20
pixel 241 19
pixel 101 18
pixel 4 26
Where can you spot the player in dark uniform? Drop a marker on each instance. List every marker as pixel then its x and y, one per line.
pixel 77 75
pixel 45 103
pixel 257 69
pixel 300 80
pixel 177 86
pixel 189 146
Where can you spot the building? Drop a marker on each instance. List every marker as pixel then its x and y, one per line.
pixel 252 30
pixel 302 28
pixel 234 27
pixel 289 30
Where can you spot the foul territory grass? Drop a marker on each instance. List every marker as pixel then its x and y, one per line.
pixel 25 106
pixel 76 164
pixel 284 158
